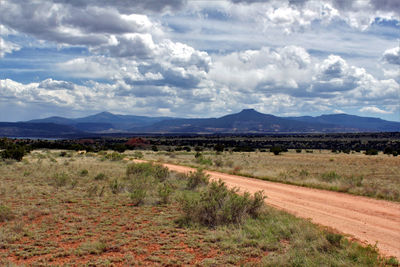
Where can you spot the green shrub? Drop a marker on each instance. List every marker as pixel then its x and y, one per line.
pixel 218 205
pixel 137 196
pixel 83 172
pixel 298 150
pixel 371 152
pixel 218 162
pixel 102 153
pixel 164 192
pixel 276 150
pixel 94 248
pixel 13 151
pixel 139 169
pixel 100 176
pixel 256 204
pixel 115 186
pixel 330 176
pixel 346 150
pixel 5 213
pixel 60 179
pixel 160 173
pixel 157 172
pixel 204 161
pixel 304 173
pixel 114 156
pixel 334 239
pixel 137 155
pixel 355 180
pixel 196 179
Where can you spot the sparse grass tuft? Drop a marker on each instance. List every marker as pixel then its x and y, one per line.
pixel 100 176
pixel 6 213
pixel 330 176
pixel 83 173
pixel 60 179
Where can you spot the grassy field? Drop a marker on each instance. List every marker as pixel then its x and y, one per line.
pixel 80 210
pixel 374 176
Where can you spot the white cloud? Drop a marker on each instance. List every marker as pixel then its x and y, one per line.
pixel 96 67
pixel 148 53
pixel 266 70
pixel 7 47
pixel 392 55
pixel 169 63
pixel 92 26
pixel 295 15
pixel 338 111
pixel 374 109
pixel 334 75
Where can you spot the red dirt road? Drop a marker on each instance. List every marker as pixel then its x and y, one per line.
pixel 365 219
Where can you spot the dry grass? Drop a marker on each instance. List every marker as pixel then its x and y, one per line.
pixel 374 176
pixel 63 215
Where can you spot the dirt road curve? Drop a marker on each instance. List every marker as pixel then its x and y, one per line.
pixel 366 219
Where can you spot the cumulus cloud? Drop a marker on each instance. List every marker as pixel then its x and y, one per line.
pixel 374 109
pixel 334 75
pixel 95 96
pixel 296 14
pixel 392 56
pixel 335 78
pixel 265 70
pixel 167 64
pixel 7 47
pixel 68 24
pixel 50 84
pixel 257 77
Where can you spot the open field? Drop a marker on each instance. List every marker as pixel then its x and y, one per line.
pixel 78 210
pixel 356 173
pixel 369 220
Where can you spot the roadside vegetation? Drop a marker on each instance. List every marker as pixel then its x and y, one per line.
pixel 67 208
pixel 357 173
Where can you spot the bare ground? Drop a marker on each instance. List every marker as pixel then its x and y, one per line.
pixel 368 220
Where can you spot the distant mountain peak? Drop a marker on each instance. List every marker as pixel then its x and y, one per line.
pixel 249 110
pixel 105 113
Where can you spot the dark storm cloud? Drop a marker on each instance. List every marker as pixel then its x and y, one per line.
pixel 387 5
pixel 130 6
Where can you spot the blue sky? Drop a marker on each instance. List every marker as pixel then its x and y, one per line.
pixel 199 58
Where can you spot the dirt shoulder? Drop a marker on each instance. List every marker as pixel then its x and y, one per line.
pixel 368 220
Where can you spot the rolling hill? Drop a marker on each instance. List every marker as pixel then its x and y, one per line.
pixel 251 121
pixel 246 121
pixel 104 122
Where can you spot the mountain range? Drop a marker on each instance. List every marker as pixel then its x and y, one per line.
pixel 246 121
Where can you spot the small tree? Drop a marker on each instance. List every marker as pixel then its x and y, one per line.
pixel 276 150
pixel 13 151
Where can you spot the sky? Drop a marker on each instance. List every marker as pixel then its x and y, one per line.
pixel 196 58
